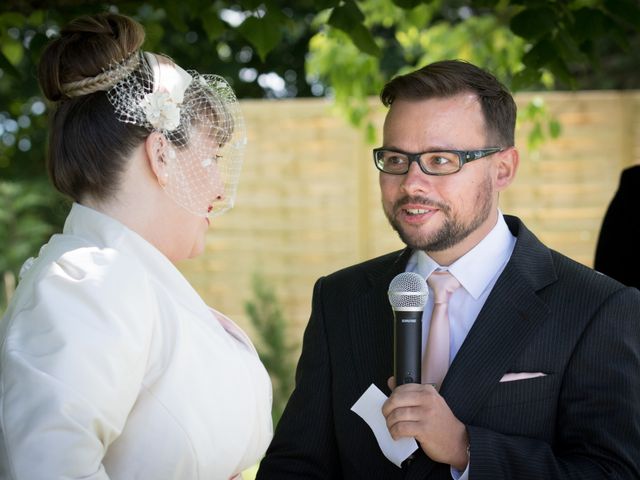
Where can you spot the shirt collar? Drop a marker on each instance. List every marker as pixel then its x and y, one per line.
pixel 476 268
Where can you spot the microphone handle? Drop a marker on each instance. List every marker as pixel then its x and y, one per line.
pixel 407 334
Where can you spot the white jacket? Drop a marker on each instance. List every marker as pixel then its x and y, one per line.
pixel 112 366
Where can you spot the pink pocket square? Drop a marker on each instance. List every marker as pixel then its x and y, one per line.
pixel 511 377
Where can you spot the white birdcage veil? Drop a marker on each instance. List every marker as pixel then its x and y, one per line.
pixel 200 117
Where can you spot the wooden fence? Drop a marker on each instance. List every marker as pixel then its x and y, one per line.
pixel 308 201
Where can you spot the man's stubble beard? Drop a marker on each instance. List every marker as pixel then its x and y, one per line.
pixel 452 231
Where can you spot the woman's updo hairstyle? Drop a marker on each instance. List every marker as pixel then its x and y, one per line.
pixel 88 145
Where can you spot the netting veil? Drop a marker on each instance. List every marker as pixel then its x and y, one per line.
pixel 200 117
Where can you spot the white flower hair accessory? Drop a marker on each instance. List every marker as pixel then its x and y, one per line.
pixel 162 106
pixel 162 110
pixel 200 117
pixel 152 95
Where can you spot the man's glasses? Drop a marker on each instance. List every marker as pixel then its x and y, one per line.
pixel 443 162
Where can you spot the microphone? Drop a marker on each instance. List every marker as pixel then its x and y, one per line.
pixel 408 294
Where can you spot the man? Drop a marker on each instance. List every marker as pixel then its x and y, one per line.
pixel 543 376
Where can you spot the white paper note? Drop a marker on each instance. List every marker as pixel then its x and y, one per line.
pixel 369 408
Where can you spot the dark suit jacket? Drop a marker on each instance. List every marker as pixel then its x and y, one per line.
pixel 618 248
pixel 546 313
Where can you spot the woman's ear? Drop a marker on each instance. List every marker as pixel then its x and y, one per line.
pixel 508 162
pixel 157 148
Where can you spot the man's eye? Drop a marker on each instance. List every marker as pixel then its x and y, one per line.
pixel 396 160
pixel 438 160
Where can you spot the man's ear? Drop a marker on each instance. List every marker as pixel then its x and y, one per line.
pixel 507 167
pixel 157 147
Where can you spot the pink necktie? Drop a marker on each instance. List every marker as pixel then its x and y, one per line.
pixel 435 362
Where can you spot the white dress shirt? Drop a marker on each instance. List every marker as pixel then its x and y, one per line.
pixel 477 271
pixel 112 366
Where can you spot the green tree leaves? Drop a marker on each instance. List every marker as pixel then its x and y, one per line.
pixel 265 32
pixel 265 314
pixel 27 218
pixel 341 48
pixel 348 18
pixel 533 23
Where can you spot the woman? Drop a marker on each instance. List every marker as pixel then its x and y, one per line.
pixel 111 365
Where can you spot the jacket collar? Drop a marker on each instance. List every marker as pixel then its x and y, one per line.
pixel 511 314
pixel 370 320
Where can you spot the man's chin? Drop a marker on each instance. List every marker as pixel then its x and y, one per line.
pixel 412 240
pixel 413 237
pixel 436 242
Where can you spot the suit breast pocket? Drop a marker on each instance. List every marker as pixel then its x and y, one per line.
pixel 522 407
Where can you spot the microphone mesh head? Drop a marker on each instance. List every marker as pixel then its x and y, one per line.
pixel 408 290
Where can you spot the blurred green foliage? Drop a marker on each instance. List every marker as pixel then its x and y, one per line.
pixel 528 44
pixel 345 49
pixel 30 213
pixel 273 345
pixel 543 125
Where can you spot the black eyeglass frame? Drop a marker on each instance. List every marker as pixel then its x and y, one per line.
pixel 465 156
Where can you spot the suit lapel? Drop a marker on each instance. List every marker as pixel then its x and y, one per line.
pixel 511 314
pixel 371 326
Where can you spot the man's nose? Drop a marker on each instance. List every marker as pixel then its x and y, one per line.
pixel 415 180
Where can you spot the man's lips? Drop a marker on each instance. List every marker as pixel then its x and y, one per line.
pixel 416 214
pixel 417 211
pixel 413 209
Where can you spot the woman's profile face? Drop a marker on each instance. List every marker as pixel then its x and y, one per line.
pixel 195 184
pixel 194 178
